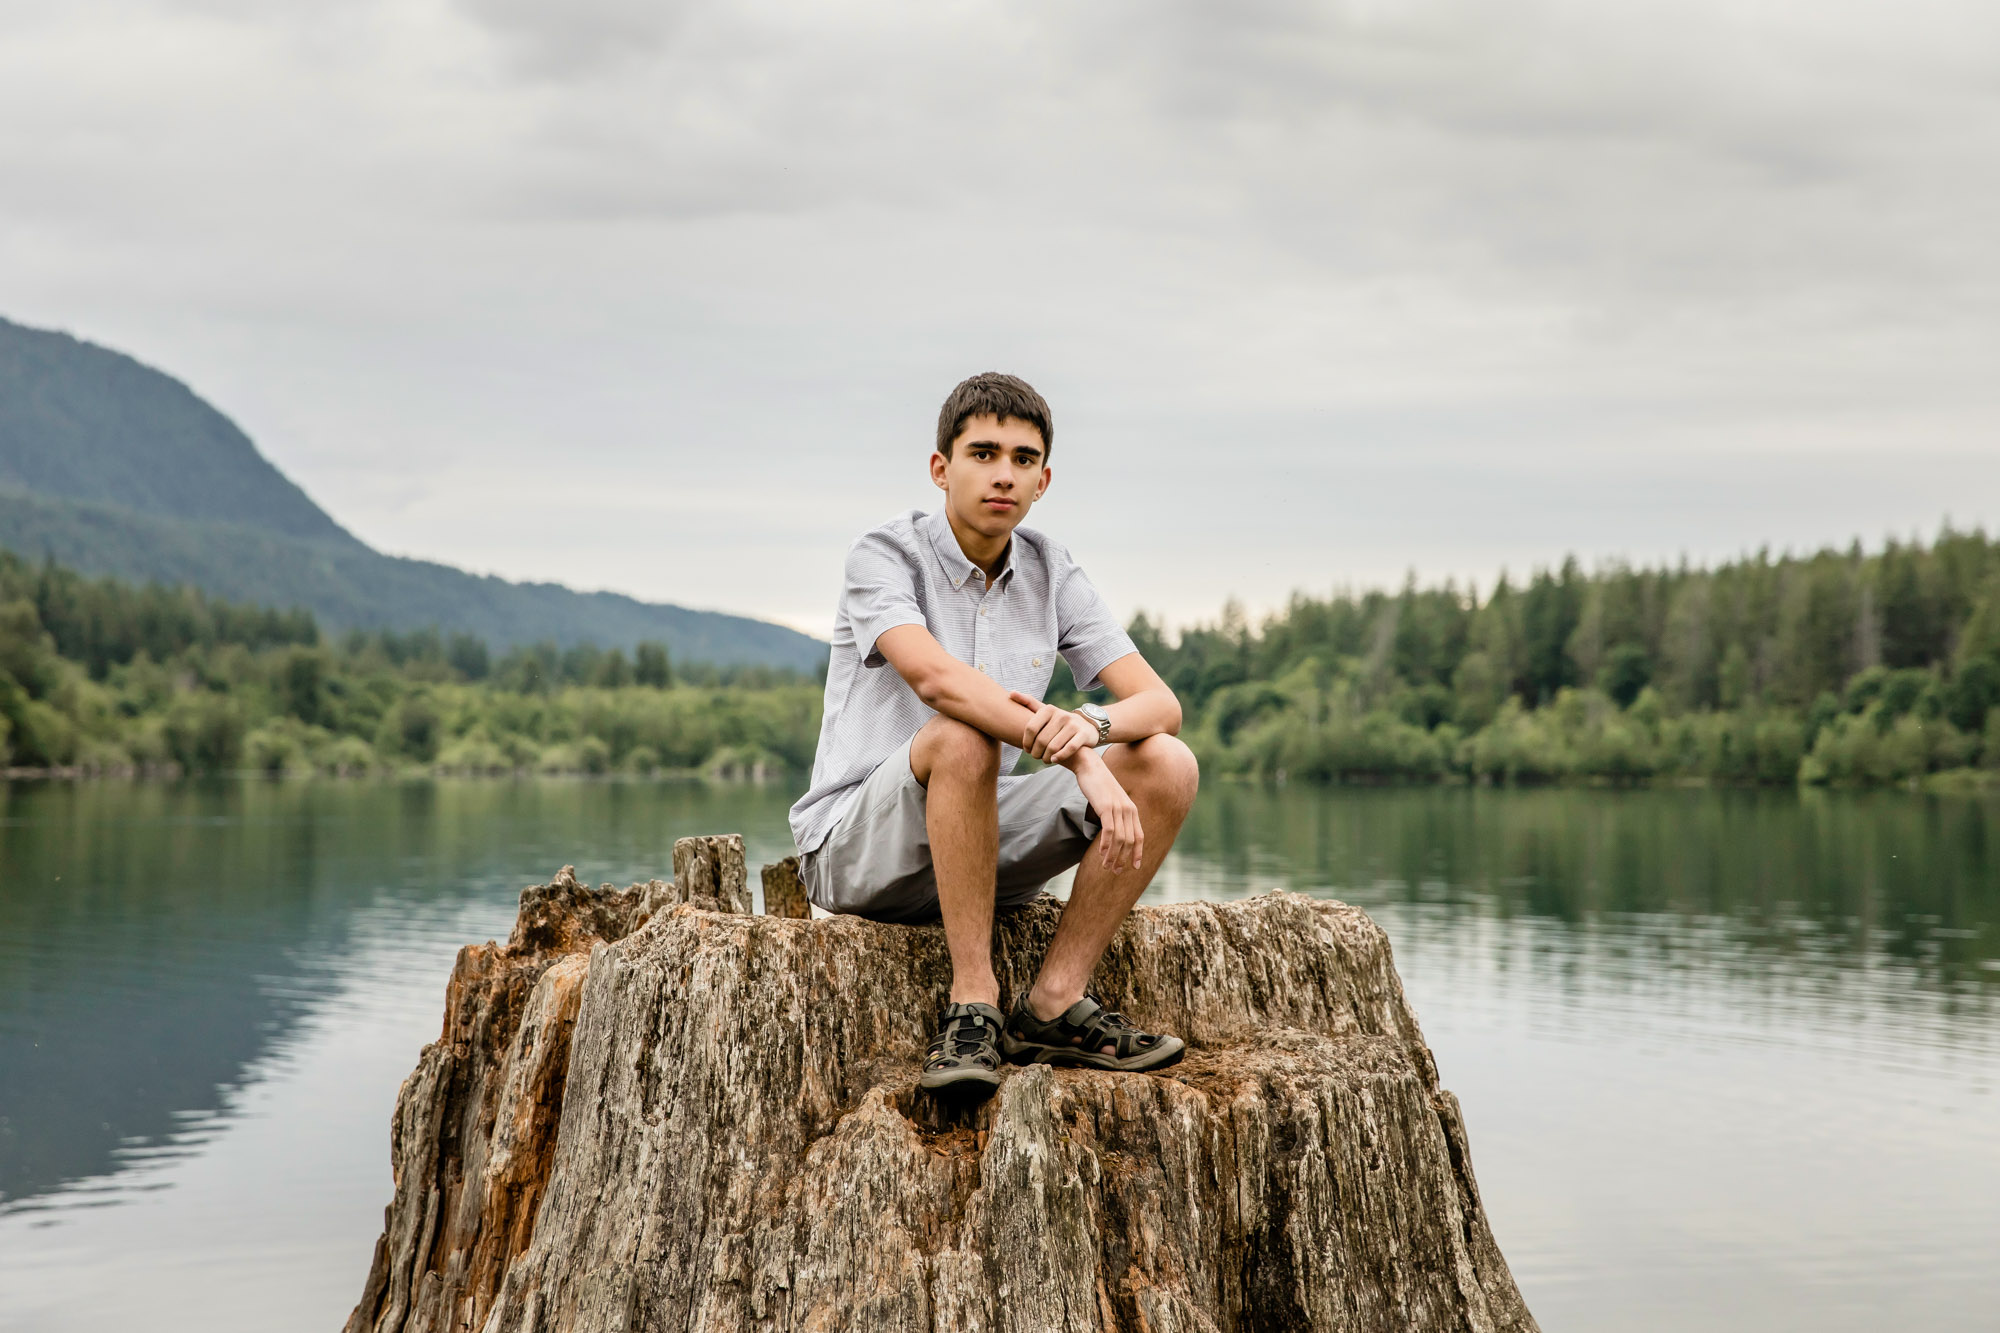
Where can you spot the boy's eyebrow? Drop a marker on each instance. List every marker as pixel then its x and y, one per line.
pixel 1034 449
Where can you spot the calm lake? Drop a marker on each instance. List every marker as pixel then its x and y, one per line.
pixel 1729 1060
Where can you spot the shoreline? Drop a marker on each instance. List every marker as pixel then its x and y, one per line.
pixel 1946 782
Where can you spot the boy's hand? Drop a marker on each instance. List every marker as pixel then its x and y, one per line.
pixel 1123 840
pixel 1054 735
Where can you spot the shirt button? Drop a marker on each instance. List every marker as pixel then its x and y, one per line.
pixel 982 610
pixel 1038 661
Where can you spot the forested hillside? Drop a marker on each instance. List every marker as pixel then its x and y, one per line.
pixel 1844 666
pixel 110 467
pixel 351 586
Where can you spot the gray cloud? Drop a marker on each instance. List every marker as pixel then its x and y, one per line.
pixel 597 291
pixel 582 38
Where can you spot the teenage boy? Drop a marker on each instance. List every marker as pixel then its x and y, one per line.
pixel 913 812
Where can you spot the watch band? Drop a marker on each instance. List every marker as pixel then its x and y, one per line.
pixel 1098 718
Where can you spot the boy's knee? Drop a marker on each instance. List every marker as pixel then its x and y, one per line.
pixel 946 743
pixel 1170 767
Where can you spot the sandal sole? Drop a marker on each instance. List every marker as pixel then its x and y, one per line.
pixel 959 1078
pixel 1033 1053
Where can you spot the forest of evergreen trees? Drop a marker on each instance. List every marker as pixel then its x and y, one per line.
pixel 1843 666
pixel 101 676
pixel 1850 668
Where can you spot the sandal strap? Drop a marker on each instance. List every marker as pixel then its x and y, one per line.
pixel 1101 1027
pixel 970 1031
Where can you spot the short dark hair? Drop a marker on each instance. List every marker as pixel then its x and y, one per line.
pixel 994 394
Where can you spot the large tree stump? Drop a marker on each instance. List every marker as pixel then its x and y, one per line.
pixel 475 1124
pixel 711 1123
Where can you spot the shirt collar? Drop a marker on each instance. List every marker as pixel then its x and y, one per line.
pixel 956 566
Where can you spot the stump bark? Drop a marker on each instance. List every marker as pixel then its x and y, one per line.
pixel 649 1110
pixel 784 891
pixel 713 868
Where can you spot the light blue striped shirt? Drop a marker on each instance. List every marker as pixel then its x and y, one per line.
pixel 910 571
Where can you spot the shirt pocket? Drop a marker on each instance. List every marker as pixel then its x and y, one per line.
pixel 1028 670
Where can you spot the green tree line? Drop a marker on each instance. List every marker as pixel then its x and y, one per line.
pixel 1844 667
pixel 103 676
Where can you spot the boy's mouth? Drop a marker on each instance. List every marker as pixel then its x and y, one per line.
pixel 998 502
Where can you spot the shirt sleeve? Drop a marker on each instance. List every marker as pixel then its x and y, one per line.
pixel 880 593
pixel 1088 636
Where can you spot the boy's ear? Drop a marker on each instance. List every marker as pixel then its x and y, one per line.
pixel 937 469
pixel 1048 475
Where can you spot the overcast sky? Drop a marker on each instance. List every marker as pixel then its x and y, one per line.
pixel 662 297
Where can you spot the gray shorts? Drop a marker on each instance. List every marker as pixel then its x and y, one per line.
pixel 877 861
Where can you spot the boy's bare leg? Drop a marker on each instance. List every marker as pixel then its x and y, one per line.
pixel 960 769
pixel 1160 775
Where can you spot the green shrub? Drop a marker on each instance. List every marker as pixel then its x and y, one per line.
pixel 475 754
pixel 411 728
pixel 1517 746
pixel 1778 743
pixel 1374 747
pixel 347 757
pixel 101 756
pixel 282 745
pixel 42 736
pixel 1869 749
pixel 204 731
pixel 743 763
pixel 562 757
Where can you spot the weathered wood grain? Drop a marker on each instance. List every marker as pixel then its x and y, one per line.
pixel 713 868
pixel 784 891
pixel 738 1142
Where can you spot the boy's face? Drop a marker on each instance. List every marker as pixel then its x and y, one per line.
pixel 997 469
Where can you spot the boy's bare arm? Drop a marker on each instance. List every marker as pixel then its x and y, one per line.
pixel 949 686
pixel 1146 705
pixel 958 691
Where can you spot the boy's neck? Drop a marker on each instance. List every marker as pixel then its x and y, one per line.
pixel 989 553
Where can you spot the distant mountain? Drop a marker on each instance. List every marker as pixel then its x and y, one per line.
pixel 80 422
pixel 111 467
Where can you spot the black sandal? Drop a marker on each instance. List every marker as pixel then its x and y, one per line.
pixel 1079 1035
pixel 966 1050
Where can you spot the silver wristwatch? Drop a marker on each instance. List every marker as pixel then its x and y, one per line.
pixel 1099 718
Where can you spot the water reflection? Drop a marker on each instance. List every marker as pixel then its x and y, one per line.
pixel 1841 879
pixel 159 943
pixel 1729 1057
pixel 1869 924
pixel 1755 890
